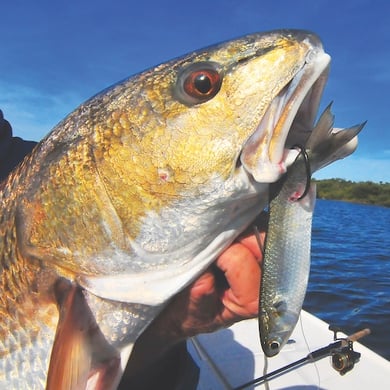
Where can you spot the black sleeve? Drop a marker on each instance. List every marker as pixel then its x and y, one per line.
pixel 12 149
pixel 176 371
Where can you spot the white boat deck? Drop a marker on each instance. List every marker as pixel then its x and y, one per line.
pixel 233 356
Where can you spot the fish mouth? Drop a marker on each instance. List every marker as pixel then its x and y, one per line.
pixel 288 121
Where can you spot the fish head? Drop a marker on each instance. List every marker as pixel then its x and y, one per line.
pixel 186 151
pixel 184 127
pixel 166 168
pixel 277 328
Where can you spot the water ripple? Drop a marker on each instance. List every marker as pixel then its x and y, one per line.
pixel 349 283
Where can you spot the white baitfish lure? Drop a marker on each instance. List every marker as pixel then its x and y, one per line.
pixel 286 263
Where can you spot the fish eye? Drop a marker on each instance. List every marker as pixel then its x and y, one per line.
pixel 198 83
pixel 202 83
pixel 274 345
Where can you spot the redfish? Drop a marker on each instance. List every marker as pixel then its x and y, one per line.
pixel 136 193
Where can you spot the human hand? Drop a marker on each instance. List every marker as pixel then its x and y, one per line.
pixel 226 293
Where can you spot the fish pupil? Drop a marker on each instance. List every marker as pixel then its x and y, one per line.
pixel 274 345
pixel 198 83
pixel 202 83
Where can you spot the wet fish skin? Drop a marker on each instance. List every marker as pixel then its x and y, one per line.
pixel 133 195
pixel 286 264
pixel 286 267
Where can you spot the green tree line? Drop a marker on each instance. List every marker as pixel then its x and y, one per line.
pixel 360 192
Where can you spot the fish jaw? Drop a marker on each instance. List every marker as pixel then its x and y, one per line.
pixel 288 120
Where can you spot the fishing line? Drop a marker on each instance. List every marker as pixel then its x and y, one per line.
pixel 308 349
pixel 336 349
pixel 258 240
pixel 265 372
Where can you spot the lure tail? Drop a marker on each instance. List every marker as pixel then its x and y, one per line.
pixel 327 144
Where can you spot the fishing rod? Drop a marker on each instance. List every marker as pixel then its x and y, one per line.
pixel 343 357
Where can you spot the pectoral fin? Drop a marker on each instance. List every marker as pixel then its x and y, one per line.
pixel 81 358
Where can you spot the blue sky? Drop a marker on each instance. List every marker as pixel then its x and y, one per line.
pixel 54 55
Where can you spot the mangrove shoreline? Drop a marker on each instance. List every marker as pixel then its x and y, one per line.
pixel 366 192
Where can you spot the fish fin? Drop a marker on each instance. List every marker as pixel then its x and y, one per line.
pixel 81 358
pixel 328 144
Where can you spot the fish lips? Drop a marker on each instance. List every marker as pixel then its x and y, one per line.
pixel 288 121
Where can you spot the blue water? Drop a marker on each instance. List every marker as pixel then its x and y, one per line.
pixel 349 283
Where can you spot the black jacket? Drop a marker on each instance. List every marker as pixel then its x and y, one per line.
pixel 12 149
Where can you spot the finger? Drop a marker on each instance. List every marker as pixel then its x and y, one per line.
pixel 242 272
pixel 253 245
pixel 204 285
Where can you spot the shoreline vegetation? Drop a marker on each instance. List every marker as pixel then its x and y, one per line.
pixel 366 192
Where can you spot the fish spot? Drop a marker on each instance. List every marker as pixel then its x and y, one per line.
pixel 165 175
